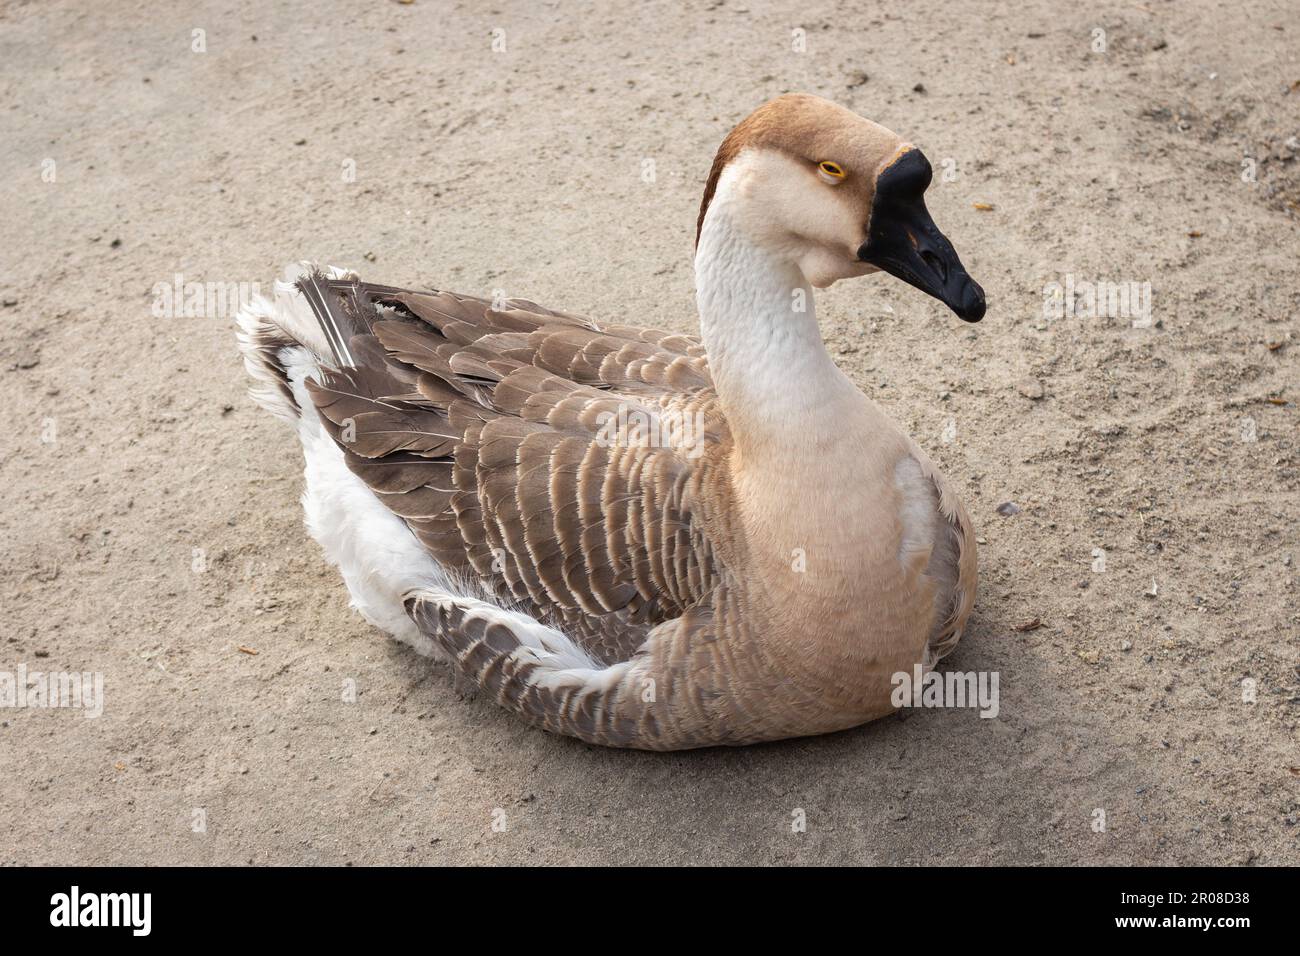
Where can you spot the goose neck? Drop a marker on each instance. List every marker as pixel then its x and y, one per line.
pixel 774 377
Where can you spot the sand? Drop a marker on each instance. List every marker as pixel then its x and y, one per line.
pixel 151 531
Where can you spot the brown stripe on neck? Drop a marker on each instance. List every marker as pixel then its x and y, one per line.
pixel 777 123
pixel 762 124
pixel 726 153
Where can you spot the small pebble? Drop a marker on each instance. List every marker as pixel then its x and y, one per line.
pixel 1031 388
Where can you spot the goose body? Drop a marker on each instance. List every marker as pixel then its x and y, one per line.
pixel 637 538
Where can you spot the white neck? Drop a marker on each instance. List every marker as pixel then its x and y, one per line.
pixel 772 372
pixel 810 452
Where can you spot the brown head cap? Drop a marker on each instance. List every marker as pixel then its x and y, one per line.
pixel 813 130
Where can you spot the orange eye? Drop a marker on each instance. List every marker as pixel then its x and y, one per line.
pixel 831 172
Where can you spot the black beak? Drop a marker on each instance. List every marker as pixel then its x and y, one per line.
pixel 903 240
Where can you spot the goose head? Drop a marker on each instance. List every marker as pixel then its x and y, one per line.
pixel 838 196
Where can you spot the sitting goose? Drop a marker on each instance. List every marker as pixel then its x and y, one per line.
pixel 633 537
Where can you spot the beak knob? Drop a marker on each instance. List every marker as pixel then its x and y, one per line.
pixel 903 240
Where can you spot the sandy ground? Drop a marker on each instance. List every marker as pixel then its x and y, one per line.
pixel 150 527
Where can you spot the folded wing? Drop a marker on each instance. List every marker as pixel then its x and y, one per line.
pixel 553 462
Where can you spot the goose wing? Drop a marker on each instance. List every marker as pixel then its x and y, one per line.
pixel 954 562
pixel 555 462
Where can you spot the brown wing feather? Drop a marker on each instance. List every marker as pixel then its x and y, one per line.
pixel 961 548
pixel 486 429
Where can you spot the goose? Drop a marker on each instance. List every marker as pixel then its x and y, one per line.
pixel 633 537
